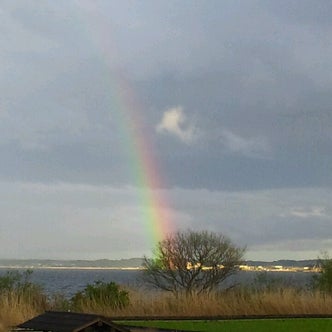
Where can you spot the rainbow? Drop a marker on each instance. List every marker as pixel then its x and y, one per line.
pixel 145 169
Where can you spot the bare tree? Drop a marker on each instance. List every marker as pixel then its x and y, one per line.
pixel 193 262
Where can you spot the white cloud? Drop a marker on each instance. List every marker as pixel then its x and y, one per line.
pixel 313 211
pixel 175 122
pixel 250 147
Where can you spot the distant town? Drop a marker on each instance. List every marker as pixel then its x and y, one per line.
pixel 280 268
pixel 136 264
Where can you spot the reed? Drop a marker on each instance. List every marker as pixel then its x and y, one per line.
pixel 16 309
pixel 237 302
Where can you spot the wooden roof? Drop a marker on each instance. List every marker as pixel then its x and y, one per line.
pixel 57 321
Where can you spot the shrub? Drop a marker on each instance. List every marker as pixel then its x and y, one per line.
pixel 323 281
pixel 101 294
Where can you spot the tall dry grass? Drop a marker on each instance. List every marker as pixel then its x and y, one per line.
pixel 15 309
pixel 237 302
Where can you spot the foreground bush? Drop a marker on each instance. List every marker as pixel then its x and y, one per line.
pixel 101 294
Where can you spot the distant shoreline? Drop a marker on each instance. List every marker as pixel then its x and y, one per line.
pixel 137 264
pixel 70 268
pixel 87 268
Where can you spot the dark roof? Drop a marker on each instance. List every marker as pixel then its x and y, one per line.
pixel 57 321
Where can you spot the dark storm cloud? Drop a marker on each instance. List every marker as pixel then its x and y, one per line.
pixel 241 83
pixel 234 99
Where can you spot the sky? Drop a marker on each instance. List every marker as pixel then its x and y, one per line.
pixel 124 121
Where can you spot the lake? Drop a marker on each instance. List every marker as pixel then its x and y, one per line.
pixel 70 281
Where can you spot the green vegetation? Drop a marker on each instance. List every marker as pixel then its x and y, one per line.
pixel 323 281
pixel 21 299
pixel 190 292
pixel 101 294
pixel 271 325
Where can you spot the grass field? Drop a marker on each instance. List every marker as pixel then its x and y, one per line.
pixel 271 325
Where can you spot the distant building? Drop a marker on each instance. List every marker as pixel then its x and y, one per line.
pixel 278 267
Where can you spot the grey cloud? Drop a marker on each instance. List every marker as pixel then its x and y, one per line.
pixel 253 79
pixel 314 13
pixel 252 147
pixel 252 218
pixel 60 23
pixel 55 211
pixel 259 216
